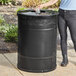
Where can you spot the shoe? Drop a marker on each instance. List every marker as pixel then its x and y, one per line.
pixel 65 61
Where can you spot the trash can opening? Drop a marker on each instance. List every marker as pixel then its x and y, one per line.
pixel 42 12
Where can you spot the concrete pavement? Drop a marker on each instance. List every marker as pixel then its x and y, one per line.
pixel 8 66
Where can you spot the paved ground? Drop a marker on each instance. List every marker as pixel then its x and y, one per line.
pixel 8 66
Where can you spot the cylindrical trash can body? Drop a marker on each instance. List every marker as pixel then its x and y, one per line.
pixel 37 42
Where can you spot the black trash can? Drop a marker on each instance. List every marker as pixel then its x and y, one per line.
pixel 37 35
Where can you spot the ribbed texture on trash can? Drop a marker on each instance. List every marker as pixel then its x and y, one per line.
pixel 37 42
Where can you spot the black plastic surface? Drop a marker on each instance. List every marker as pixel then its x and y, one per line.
pixel 37 42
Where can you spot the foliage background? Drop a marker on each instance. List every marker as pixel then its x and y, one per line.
pixel 34 3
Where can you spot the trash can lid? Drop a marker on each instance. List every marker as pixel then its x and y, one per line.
pixel 33 13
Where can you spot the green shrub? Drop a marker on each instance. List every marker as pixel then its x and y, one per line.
pixel 3 29
pixel 1 20
pixel 9 31
pixel 3 26
pixel 12 34
pixel 5 1
pixel 20 9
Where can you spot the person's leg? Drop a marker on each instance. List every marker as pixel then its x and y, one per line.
pixel 72 27
pixel 63 34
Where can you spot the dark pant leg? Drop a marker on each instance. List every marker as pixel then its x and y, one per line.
pixel 72 27
pixel 63 34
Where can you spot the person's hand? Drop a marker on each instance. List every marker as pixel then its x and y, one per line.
pixel 39 7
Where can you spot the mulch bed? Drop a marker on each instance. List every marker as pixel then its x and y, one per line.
pixel 7 47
